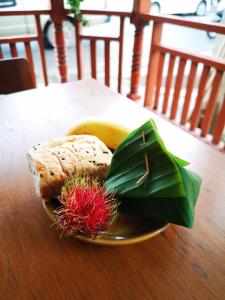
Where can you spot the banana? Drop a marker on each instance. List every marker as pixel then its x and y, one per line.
pixel 111 134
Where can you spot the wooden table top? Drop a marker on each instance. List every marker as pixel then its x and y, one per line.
pixel 36 264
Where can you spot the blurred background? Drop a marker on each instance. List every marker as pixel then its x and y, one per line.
pixel 187 38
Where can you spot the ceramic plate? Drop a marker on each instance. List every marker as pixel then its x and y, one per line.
pixel 126 230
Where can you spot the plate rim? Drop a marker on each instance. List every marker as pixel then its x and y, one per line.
pixel 119 242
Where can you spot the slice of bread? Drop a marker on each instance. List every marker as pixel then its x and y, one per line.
pixel 53 162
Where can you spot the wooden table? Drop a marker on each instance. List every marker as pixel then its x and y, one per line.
pixel 36 264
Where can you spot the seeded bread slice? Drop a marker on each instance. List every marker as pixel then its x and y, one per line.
pixel 53 162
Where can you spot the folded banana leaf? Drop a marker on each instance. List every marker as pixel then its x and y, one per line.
pixel 151 182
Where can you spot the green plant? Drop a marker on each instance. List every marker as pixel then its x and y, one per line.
pixel 75 8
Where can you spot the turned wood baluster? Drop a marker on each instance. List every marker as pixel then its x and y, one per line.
pixel 61 52
pixel 136 64
pixel 78 49
pixel 139 6
pixel 58 15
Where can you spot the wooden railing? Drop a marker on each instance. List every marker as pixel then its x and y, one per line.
pixel 171 105
pixel 12 41
pixel 58 18
pixel 107 41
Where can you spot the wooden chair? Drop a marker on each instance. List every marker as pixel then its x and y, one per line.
pixel 15 75
pixel 11 42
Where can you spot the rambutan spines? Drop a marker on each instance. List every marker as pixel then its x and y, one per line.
pixel 87 209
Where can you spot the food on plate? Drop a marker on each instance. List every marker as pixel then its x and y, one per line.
pixel 92 185
pixel 109 133
pixel 150 182
pixel 86 207
pixel 53 162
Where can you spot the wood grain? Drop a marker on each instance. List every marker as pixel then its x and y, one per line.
pixel 36 264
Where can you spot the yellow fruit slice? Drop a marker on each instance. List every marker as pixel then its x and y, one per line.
pixel 111 134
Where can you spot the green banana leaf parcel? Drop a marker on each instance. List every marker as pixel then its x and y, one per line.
pixel 151 182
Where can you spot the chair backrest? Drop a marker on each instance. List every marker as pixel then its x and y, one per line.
pixel 15 75
pixel 23 45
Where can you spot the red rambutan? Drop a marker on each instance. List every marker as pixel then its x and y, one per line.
pixel 87 208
